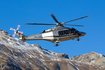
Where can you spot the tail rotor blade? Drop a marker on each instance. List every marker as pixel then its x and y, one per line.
pixel 20 32
pixel 18 27
pixel 14 35
pixel 12 29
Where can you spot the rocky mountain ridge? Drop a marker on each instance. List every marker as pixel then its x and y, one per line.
pixel 18 55
pixel 90 58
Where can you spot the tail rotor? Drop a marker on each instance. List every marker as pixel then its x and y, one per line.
pixel 16 32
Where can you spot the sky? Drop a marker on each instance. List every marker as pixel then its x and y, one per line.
pixel 18 12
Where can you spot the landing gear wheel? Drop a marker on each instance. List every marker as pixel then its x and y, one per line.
pixel 57 44
pixel 78 39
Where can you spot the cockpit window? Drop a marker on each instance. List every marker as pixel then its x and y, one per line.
pixel 76 31
pixel 73 30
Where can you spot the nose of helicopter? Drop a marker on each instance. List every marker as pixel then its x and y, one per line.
pixel 82 33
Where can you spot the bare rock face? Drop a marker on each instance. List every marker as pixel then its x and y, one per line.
pixel 18 55
pixel 86 66
pixel 91 58
pixel 63 55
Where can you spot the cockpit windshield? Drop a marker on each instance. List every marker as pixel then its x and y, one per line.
pixel 73 30
pixel 76 31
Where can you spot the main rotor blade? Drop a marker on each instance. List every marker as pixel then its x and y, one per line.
pixel 54 18
pixel 74 25
pixel 38 24
pixel 76 19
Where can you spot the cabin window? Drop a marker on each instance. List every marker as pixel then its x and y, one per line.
pixel 64 32
pixel 67 32
pixel 61 33
pixel 71 31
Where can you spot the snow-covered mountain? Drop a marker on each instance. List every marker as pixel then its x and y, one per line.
pixel 18 55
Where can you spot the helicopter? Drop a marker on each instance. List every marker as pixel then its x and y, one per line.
pixel 55 34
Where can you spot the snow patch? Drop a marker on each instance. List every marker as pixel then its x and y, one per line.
pixel 73 65
pixel 99 54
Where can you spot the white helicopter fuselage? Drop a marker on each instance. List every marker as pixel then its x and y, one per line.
pixel 56 34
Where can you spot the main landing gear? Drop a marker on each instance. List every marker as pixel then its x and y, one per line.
pixel 78 39
pixel 57 44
